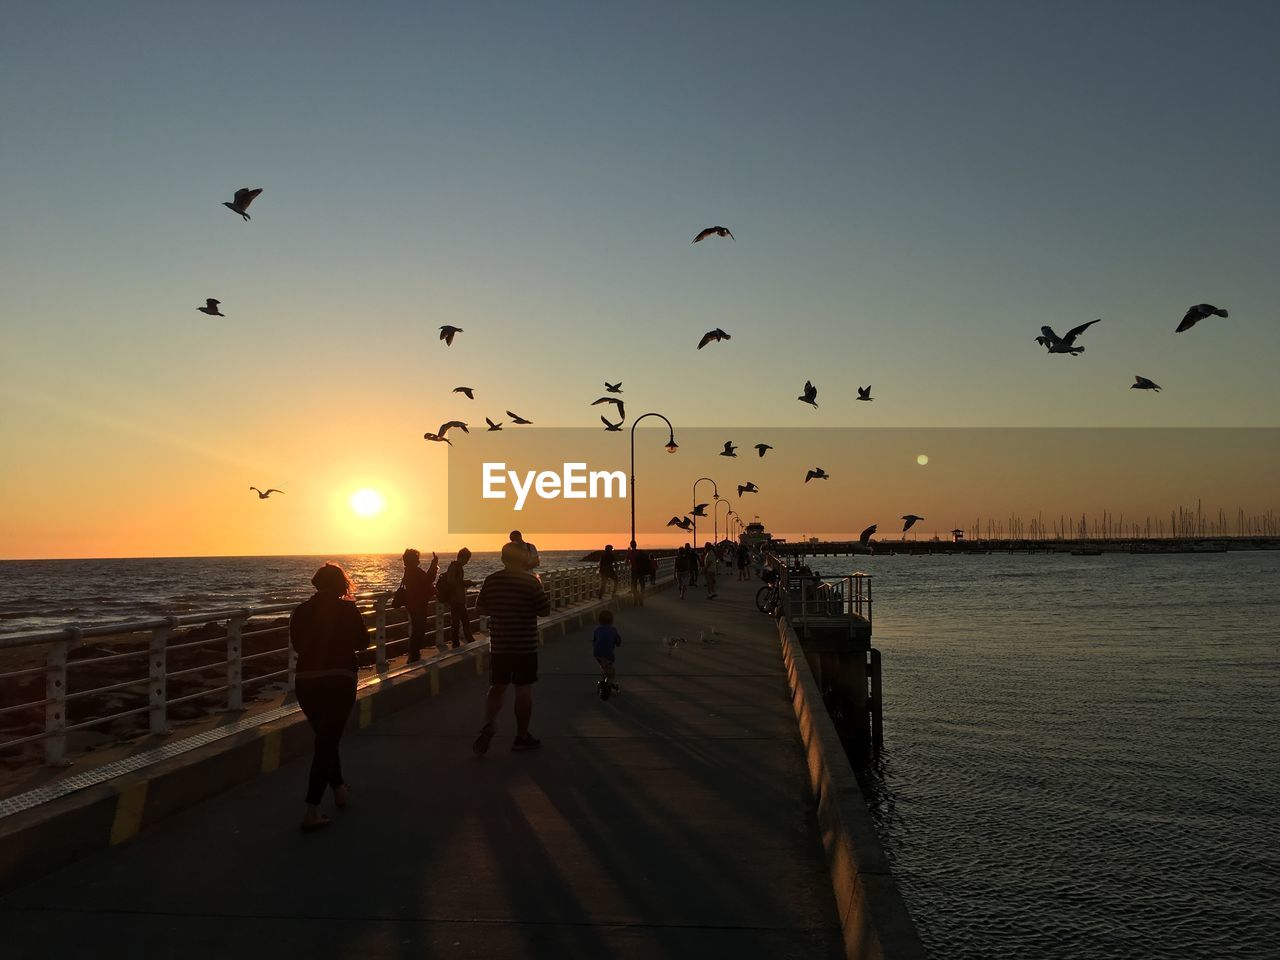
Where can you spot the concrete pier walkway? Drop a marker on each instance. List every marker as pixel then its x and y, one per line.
pixel 676 820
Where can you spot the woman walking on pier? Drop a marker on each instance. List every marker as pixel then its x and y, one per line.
pixel 328 634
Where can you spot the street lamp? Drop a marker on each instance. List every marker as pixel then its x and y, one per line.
pixel 715 491
pixel 672 447
pixel 715 524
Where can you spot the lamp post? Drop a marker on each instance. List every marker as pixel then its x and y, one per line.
pixel 716 511
pixel 715 492
pixel 672 446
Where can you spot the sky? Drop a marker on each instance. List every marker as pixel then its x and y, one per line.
pixel 915 189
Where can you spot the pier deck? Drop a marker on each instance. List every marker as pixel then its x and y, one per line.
pixel 674 820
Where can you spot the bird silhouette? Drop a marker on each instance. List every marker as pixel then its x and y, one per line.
pixel 1142 383
pixel 865 536
pixel 714 231
pixel 717 335
pixel 1055 344
pixel 1197 313
pixel 911 520
pixel 492 426
pixel 622 410
pixel 729 449
pixel 516 418
pixel 747 487
pixel 684 523
pixel 211 308
pixel 810 395
pixel 762 447
pixel 864 393
pixel 439 435
pixel 699 510
pixel 613 427
pixel 263 494
pixel 817 473
pixel 447 333
pixel 244 196
pixel 469 391
pixel 613 387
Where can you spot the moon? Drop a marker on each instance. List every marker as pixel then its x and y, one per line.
pixel 922 459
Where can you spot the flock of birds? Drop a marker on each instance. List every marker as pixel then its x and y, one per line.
pixel 1052 343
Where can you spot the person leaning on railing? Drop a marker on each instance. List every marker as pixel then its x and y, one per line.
pixel 328 634
pixel 420 598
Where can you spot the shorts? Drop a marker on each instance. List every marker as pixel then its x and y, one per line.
pixel 520 669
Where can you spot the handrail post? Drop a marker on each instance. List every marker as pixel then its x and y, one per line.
pixel 55 691
pixel 235 663
pixel 380 633
pixel 158 676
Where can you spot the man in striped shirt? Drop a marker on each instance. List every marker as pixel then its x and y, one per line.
pixel 512 599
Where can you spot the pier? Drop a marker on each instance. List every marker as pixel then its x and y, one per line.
pixel 707 810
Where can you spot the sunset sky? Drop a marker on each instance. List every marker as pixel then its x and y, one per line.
pixel 915 188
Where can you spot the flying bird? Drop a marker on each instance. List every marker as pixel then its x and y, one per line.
pixel 747 487
pixel 1197 313
pixel 910 519
pixel 864 537
pixel 211 308
pixel 263 494
pixel 810 395
pixel 492 425
pixel 714 231
pixel 1142 383
pixel 614 427
pixel 244 196
pixel 613 387
pixel 762 447
pixel 439 435
pixel 864 393
pixel 699 510
pixel 469 391
pixel 729 449
pixel 622 410
pixel 1056 344
pixel 684 523
pixel 516 418
pixel 447 334
pixel 817 473
pixel 717 335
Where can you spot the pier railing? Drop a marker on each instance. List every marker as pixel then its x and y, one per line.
pixel 807 595
pixel 187 666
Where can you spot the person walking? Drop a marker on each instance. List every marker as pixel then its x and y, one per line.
pixel 420 598
pixel 744 561
pixel 683 563
pixel 710 561
pixel 604 642
pixel 453 591
pixel 328 634
pixel 640 562
pixel 607 573
pixel 694 564
pixel 512 599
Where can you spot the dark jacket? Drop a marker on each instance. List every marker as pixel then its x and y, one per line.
pixel 421 585
pixel 452 586
pixel 328 633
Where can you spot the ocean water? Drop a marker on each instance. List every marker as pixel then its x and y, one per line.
pixel 1082 754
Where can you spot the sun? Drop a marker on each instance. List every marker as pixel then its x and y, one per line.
pixel 922 459
pixel 367 503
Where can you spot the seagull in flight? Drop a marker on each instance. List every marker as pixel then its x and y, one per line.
pixel 263 494
pixel 714 231
pixel 517 419
pixel 211 308
pixel 810 395
pixel 729 449
pixel 762 447
pixel 1056 344
pixel 469 391
pixel 864 537
pixel 910 519
pixel 612 427
pixel 447 333
pixel 1142 383
pixel 492 426
pixel 622 410
pixel 817 473
pixel 747 487
pixel 717 335
pixel 613 387
pixel 864 393
pixel 684 523
pixel 244 196
pixel 439 435
pixel 1201 311
pixel 699 510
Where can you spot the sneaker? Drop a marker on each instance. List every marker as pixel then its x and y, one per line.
pixel 603 689
pixel 481 745
pixel 527 742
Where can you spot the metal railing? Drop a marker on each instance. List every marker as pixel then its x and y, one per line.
pixel 806 595
pixel 130 668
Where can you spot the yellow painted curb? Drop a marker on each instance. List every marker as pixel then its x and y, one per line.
pixel 130 805
pixel 366 712
pixel 271 751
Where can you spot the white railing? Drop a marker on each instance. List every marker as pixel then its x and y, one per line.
pixel 221 653
pixel 804 594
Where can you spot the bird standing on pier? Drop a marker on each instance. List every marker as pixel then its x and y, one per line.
pixel 1197 313
pixel 263 494
pixel 211 308
pixel 439 435
pixel 717 335
pixel 762 447
pixel 447 333
pixel 911 520
pixel 729 449
pixel 714 231
pixel 1055 344
pixel 613 387
pixel 747 487
pixel 622 410
pixel 469 391
pixel 492 426
pixel 517 419
pixel 810 395
pixel 1142 383
pixel 244 196
pixel 611 427
pixel 864 393
pixel 817 473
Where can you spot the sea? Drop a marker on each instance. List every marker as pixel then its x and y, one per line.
pixel 1081 758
